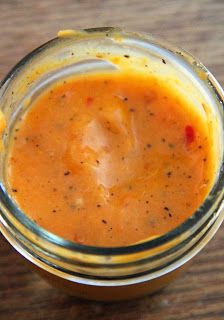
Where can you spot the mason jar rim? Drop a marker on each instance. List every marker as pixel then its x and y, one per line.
pixel 217 189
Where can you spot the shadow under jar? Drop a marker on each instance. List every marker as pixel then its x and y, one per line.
pixel 103 273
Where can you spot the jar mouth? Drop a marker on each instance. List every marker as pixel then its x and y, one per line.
pixel 214 196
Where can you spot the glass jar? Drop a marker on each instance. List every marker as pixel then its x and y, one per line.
pixel 102 273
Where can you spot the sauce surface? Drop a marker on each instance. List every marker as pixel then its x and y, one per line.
pixel 110 159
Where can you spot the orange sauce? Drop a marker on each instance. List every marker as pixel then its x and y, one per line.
pixel 110 159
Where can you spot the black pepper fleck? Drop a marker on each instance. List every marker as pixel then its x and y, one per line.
pixel 169 173
pixel 164 61
pixel 66 173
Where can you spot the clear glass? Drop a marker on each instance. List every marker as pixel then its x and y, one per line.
pixel 102 273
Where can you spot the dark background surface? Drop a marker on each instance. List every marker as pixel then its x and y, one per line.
pixel 196 25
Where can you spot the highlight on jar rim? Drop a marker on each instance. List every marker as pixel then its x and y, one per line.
pixel 111 161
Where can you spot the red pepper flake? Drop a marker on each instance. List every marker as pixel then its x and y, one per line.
pixel 89 101
pixel 189 134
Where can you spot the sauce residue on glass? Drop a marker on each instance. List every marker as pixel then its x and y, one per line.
pixel 110 159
